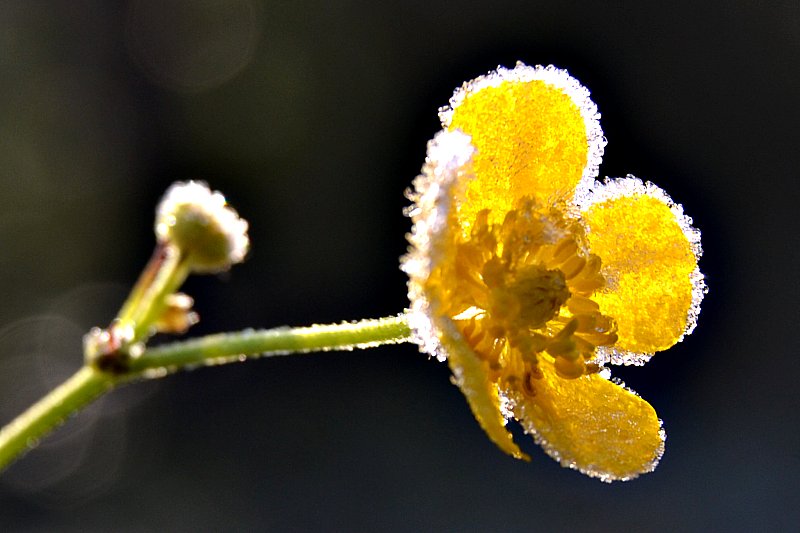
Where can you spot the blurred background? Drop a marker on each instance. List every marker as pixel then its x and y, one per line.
pixel 312 117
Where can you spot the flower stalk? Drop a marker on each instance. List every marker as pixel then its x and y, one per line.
pixel 164 274
pixel 24 432
pixel 225 348
pixel 90 382
pixel 196 232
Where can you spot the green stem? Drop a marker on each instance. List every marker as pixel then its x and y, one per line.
pixel 164 274
pixel 24 432
pixel 142 285
pixel 168 282
pixel 89 383
pixel 231 347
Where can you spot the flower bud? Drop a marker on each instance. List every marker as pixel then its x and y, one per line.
pixel 200 223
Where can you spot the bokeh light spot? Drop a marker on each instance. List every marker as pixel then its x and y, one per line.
pixel 192 46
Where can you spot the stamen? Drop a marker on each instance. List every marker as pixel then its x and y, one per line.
pixel 522 295
pixel 573 266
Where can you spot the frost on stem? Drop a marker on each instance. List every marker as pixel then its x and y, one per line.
pixel 203 226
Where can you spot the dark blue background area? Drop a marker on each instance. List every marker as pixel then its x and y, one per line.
pixel 312 117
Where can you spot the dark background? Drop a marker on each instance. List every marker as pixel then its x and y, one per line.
pixel 312 117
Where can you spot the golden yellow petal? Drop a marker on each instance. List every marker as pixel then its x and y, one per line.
pixel 431 263
pixel 470 373
pixel 649 252
pixel 536 132
pixel 431 257
pixel 591 424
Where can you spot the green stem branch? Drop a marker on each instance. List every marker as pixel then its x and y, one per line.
pixel 164 274
pixel 89 383
pixel 24 432
pixel 231 347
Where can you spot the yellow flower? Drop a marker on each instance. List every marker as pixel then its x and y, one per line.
pixel 529 276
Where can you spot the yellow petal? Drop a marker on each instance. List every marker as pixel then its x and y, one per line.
pixel 649 252
pixel 470 373
pixel 536 132
pixel 430 264
pixel 592 425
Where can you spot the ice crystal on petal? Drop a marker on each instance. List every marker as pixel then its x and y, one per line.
pixel 554 77
pixel 614 191
pixel 449 154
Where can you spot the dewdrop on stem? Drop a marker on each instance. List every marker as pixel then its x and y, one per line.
pixel 201 224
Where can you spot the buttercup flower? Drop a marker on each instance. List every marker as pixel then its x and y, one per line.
pixel 528 276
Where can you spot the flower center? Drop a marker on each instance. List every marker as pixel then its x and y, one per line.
pixel 527 298
pixel 521 295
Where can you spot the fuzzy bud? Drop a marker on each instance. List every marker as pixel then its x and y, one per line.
pixel 203 226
